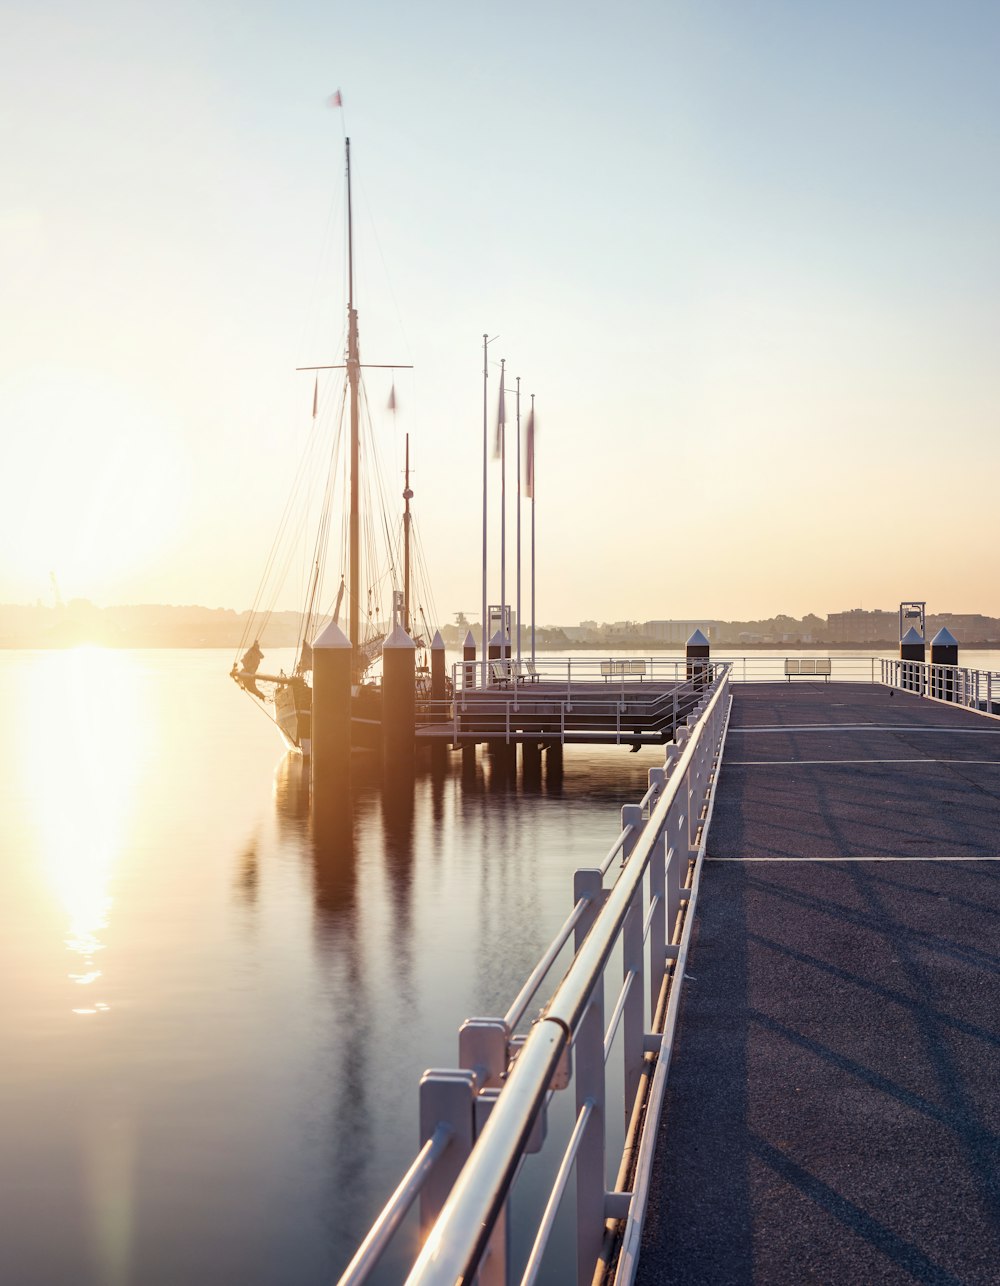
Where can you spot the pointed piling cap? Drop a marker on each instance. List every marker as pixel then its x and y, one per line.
pixel 330 637
pixel 697 639
pixel 498 639
pixel 912 636
pixel 437 642
pixel 944 638
pixel 399 639
pixel 470 639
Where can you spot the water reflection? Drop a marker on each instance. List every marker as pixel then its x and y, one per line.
pixel 84 743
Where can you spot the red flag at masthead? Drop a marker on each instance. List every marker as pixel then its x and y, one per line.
pixel 335 100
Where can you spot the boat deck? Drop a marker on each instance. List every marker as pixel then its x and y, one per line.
pixel 832 1112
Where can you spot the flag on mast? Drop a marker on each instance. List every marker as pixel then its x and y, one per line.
pixel 501 421
pixel 529 456
pixel 335 100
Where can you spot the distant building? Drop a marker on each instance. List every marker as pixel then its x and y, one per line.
pixel 861 626
pixel 677 633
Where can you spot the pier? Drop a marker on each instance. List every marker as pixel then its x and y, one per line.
pixel 831 1111
pixel 784 974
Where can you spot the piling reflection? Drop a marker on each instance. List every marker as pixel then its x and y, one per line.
pixel 397 810
pixel 291 793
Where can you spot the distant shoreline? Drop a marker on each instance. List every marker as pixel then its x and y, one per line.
pixel 641 645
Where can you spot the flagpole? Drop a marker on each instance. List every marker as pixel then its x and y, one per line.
pixel 518 614
pixel 486 448
pixel 532 529
pixel 503 519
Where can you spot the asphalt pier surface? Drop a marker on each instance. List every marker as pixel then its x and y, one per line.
pixel 833 1105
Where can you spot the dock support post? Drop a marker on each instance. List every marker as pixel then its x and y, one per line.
pixel 697 659
pixel 331 711
pixel 439 695
pixel 469 660
pixel 531 763
pixel 944 651
pixel 399 656
pixel 911 648
pixel 554 768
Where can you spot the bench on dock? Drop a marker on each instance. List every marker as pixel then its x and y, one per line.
pixel 501 672
pixel 807 665
pixel 617 669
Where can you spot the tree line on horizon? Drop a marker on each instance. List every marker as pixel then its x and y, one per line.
pixel 167 625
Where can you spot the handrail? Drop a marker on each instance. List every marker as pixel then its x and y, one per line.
pixel 464 1226
pixel 374 1245
pixel 524 997
pixel 955 684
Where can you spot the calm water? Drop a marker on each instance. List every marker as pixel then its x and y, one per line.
pixel 215 1013
pixel 215 1019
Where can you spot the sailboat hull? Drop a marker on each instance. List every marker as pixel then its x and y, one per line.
pixel 293 715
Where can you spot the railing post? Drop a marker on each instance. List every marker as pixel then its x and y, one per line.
pixel 633 1022
pixel 446 1096
pixel 658 919
pixel 482 1049
pixel 589 1082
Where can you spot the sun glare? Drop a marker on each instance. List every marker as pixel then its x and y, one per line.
pixel 103 485
pixel 80 767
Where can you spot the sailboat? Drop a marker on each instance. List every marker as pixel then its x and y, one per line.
pixel 373 559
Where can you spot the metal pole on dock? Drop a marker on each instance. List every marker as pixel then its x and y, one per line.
pixel 531 493
pixel 517 614
pixel 501 430
pixel 486 459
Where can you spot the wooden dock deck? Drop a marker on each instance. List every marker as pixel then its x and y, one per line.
pixel 832 1108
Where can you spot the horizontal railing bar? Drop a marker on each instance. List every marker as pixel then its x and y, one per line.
pixel 555 1197
pixel 523 998
pixel 616 1015
pixel 616 848
pixel 373 1247
pixel 654 902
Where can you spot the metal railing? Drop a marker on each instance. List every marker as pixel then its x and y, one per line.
pixel 977 689
pixel 478 1122
pixel 610 671
pixel 572 704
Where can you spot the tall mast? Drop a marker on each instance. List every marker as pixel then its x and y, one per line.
pixel 407 497
pixel 353 376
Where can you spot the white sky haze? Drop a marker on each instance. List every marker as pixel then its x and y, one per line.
pixel 747 256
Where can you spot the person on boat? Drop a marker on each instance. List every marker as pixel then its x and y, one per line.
pixel 252 658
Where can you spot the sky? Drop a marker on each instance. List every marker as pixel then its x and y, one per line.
pixel 745 254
